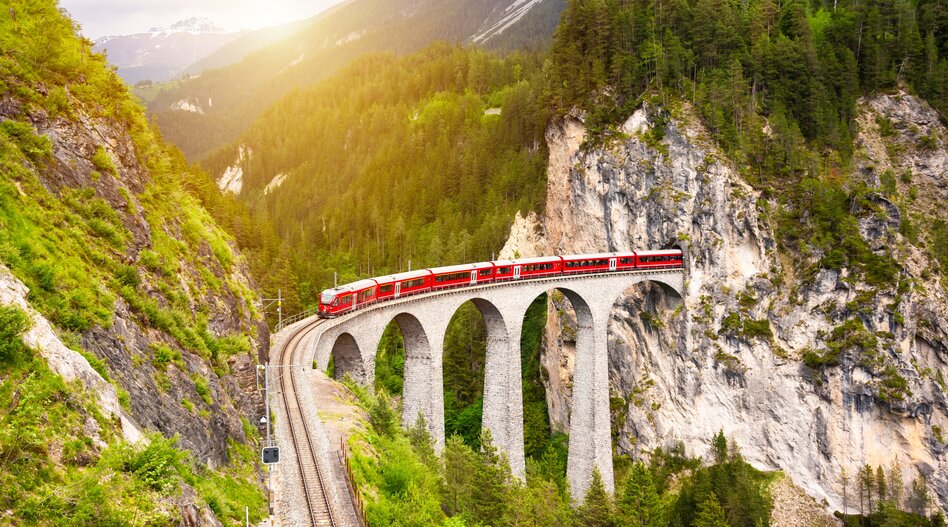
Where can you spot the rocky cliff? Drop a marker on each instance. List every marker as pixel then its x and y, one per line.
pixel 740 352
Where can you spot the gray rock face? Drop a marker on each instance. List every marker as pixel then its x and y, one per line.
pixel 682 372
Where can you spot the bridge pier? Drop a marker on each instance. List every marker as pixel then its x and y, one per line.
pixel 503 390
pixel 422 386
pixel 590 434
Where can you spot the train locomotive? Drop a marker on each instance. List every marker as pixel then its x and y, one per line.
pixel 349 297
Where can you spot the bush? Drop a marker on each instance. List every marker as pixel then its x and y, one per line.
pixel 155 462
pixel 203 388
pixel 102 161
pixel 13 324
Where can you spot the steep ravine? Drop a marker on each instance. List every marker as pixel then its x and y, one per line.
pixel 676 375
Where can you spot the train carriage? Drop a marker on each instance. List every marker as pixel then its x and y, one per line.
pixel 453 276
pixel 503 270
pixel 485 272
pixel 537 267
pixel 666 259
pixel 410 282
pixel 345 298
pixel 625 261
pixel 590 263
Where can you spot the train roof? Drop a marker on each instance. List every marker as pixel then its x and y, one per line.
pixel 407 275
pixel 483 265
pixel 452 269
pixel 355 286
pixel 540 259
pixel 664 252
pixel 501 263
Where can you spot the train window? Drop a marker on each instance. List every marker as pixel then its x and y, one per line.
pixel 408 284
pixel 503 270
pixel 387 288
pixel 484 272
pixel 335 302
pixel 451 277
pixel 625 260
pixel 346 299
pixel 366 294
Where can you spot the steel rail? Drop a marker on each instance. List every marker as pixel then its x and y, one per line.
pixel 314 488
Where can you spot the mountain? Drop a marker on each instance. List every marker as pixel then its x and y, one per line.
pixel 129 322
pixel 207 112
pixel 797 154
pixel 162 54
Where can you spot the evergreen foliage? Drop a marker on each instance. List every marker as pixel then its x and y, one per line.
pixel 408 167
pixel 776 84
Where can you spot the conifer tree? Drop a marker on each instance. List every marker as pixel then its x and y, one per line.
pixel 710 513
pixel 459 467
pixel 420 440
pixel 489 490
pixel 640 505
pixel 596 510
pixel 896 485
pixel 881 491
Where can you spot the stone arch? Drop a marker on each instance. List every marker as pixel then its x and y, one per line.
pixel 347 358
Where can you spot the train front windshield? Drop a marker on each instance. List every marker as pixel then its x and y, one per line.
pixel 326 297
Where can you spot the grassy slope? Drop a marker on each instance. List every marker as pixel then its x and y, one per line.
pixel 77 256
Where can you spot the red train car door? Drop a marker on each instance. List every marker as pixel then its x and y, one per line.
pixel 612 264
pixel 474 277
pixel 516 272
pixel 398 289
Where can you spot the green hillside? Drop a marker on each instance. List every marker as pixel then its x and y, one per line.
pixel 101 221
pixel 233 97
pixel 398 159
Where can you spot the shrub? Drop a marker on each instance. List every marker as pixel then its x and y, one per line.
pixel 127 275
pixel 102 161
pixel 13 324
pixel 203 388
pixel 155 462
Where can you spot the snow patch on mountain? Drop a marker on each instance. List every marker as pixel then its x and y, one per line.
pixel 511 15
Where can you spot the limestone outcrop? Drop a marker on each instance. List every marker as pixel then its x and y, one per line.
pixel 730 355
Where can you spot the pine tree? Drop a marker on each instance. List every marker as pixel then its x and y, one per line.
pixel 710 513
pixel 420 440
pixel 881 493
pixel 896 485
pixel 459 466
pixel 719 444
pixel 489 490
pixel 596 510
pixel 920 498
pixel 640 504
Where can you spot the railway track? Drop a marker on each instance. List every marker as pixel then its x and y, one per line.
pixel 317 500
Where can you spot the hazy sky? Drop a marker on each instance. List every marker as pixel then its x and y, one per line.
pixel 118 17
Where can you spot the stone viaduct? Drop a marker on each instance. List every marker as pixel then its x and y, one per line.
pixel 352 341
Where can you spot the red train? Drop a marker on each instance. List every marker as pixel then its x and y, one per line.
pixel 348 297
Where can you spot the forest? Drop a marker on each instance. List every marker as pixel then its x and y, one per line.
pixel 411 166
pixel 405 483
pixel 777 84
